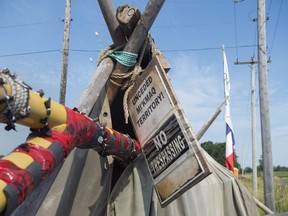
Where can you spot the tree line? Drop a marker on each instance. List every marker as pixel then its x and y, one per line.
pixel 217 152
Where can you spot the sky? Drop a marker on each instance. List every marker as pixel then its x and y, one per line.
pixel 190 33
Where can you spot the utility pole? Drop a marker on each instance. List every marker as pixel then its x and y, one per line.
pixel 63 81
pixel 253 122
pixel 264 108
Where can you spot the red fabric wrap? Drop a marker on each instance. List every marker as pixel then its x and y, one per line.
pixel 62 139
pixel 121 145
pixel 118 138
pixel 42 155
pixel 18 178
pixel 79 130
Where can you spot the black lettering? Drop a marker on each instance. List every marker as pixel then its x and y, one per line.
pixel 150 95
pixel 147 98
pixel 134 100
pixel 150 108
pixel 149 80
pixel 156 101
pixel 153 105
pixel 143 103
pixel 153 90
pixel 142 90
pixel 139 108
pixel 159 96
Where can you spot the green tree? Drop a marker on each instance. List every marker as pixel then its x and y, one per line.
pixel 217 151
pixel 261 163
pixel 248 170
pixel 280 168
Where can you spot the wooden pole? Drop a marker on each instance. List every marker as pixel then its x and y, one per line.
pixel 65 52
pixel 136 40
pixel 210 121
pixel 253 122
pixel 108 12
pixel 252 62
pixel 263 207
pixel 264 109
pixel 127 16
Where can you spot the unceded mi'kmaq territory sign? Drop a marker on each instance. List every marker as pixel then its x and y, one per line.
pixel 174 160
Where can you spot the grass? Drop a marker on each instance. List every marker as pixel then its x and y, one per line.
pixel 280 190
pixel 281 174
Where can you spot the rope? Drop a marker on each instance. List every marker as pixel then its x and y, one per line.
pixel 130 84
pixel 137 70
pixel 154 50
pixel 128 59
pixel 17 104
pixel 125 58
pixel 108 51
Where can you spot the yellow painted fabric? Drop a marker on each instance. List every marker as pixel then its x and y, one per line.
pixel 38 111
pixel 3 200
pixel 19 159
pixel 60 128
pixel 58 114
pixel 40 142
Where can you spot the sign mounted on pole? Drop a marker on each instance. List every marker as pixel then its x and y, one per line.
pixel 171 152
pixel 149 105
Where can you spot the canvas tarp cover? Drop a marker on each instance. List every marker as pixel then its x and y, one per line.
pixel 82 188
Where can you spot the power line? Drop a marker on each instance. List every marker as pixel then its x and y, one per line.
pixel 179 50
pixel 102 24
pixel 30 53
pixel 269 8
pixel 83 50
pixel 49 22
pixel 276 27
pixel 26 24
pixel 207 48
pixel 97 51
pixel 192 25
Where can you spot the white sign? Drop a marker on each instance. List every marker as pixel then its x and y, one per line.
pixel 149 104
pixel 170 148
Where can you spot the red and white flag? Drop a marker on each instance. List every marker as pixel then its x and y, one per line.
pixel 230 158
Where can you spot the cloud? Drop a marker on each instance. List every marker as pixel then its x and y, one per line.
pixel 199 88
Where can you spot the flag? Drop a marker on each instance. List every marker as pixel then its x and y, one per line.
pixel 230 158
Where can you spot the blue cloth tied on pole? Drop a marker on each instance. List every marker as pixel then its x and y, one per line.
pixel 125 58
